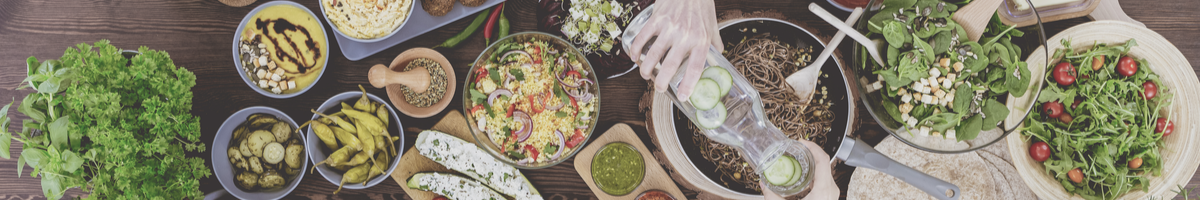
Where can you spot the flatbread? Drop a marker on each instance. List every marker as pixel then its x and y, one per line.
pixel 979 175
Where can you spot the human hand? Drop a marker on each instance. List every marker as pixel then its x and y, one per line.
pixel 823 187
pixel 684 27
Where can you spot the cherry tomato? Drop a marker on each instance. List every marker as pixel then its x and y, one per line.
pixel 1127 66
pixel 511 108
pixel 575 139
pixel 1040 151
pixel 574 73
pixel 475 110
pixel 1135 163
pixel 440 198
pixel 535 103
pixel 1076 104
pixel 1064 73
pixel 1165 127
pixel 1076 175
pixel 1151 90
pixel 1052 109
pixel 533 152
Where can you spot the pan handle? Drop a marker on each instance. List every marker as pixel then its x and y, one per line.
pixel 857 153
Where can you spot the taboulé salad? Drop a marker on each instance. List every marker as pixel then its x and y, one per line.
pixel 533 100
pixel 1102 121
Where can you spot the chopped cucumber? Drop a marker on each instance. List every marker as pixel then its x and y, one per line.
pixel 706 94
pixel 721 76
pixel 712 118
pixel 795 176
pixel 781 172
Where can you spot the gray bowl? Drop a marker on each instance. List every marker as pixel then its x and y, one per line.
pixel 237 37
pixel 220 158
pixel 318 152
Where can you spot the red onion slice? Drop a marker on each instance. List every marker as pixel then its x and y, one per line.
pixel 497 93
pixel 506 54
pixel 526 125
pixel 561 141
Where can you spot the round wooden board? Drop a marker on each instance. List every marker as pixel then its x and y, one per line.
pixel 655 177
pixel 1177 77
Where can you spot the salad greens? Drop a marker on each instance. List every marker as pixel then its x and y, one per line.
pixel 938 82
pixel 114 127
pixel 1113 123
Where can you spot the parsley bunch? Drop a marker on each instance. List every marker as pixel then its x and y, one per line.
pixel 115 127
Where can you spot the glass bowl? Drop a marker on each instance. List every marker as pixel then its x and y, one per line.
pixel 864 67
pixel 484 141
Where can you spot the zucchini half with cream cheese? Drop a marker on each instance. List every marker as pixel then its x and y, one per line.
pixel 452 186
pixel 464 157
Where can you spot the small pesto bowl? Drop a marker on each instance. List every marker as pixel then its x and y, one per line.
pixel 596 158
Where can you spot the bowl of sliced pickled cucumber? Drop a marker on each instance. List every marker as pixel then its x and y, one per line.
pixel 257 154
pixel 939 91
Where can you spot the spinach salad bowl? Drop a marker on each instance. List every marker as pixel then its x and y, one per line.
pixel 531 100
pixel 951 100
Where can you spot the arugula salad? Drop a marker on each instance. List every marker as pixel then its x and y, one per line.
pixel 1102 124
pixel 938 82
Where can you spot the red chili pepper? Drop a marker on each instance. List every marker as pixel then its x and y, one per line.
pixel 575 139
pixel 491 22
pixel 533 152
pixel 574 105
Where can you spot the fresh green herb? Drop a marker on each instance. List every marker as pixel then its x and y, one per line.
pixel 135 117
pixel 520 76
pixel 1111 125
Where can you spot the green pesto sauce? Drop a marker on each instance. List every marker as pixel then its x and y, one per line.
pixel 618 168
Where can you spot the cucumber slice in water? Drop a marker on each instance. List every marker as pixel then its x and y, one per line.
pixel 781 172
pixel 721 76
pixel 712 118
pixel 795 176
pixel 706 94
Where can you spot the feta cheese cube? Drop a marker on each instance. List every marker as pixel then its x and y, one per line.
pixel 904 117
pixel 948 83
pixel 924 131
pixel 926 90
pixel 912 122
pixel 951 134
pixel 924 81
pixel 926 98
pixel 918 87
pixel 877 85
pixel 951 76
pixel 934 72
pixel 906 98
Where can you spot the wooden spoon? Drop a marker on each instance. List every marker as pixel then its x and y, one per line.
pixel 975 16
pixel 804 82
pixel 416 79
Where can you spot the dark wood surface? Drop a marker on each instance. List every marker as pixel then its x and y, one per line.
pixel 197 33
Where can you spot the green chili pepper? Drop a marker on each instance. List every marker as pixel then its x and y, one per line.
pixel 453 41
pixel 503 26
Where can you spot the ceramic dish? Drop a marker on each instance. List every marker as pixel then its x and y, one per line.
pixel 223 169
pixel 874 98
pixel 317 152
pixel 483 139
pixel 420 22
pixel 321 63
pixel 407 15
pixel 1176 75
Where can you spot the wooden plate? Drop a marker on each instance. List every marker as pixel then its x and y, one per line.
pixel 413 162
pixel 1178 150
pixel 656 177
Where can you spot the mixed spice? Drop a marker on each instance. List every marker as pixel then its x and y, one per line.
pixel 437 84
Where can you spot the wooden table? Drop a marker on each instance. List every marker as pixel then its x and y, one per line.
pixel 197 35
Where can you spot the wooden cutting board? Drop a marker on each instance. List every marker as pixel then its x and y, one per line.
pixel 413 162
pixel 656 177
